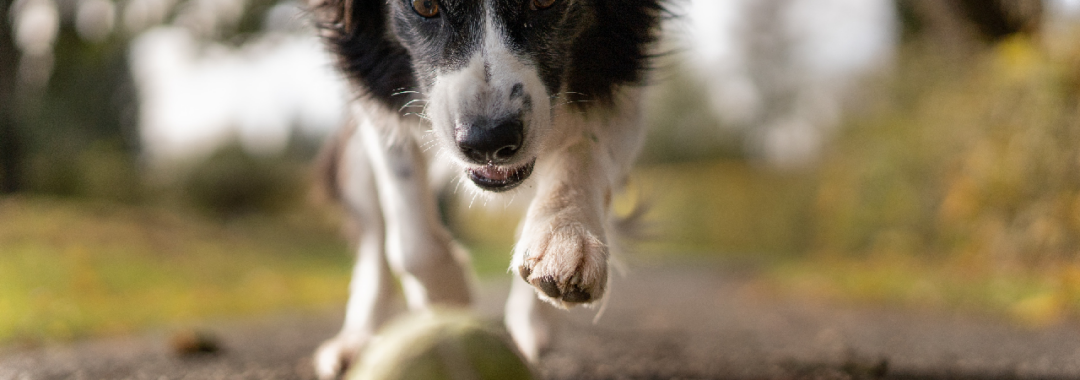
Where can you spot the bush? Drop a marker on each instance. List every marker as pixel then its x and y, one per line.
pixel 234 183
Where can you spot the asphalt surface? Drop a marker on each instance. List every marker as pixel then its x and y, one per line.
pixel 688 321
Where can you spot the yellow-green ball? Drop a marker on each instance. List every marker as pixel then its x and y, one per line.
pixel 440 345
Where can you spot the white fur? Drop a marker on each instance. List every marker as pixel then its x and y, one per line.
pixel 464 93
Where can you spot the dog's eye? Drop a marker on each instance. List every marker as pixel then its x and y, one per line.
pixel 426 8
pixel 542 4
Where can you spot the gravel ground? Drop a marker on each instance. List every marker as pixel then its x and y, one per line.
pixel 696 321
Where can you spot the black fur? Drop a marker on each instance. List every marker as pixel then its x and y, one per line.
pixel 356 33
pixel 615 50
pixel 590 46
pixel 545 35
pixel 439 44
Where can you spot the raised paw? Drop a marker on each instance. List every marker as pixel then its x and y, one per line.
pixel 567 264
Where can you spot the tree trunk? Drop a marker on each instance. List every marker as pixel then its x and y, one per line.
pixel 11 149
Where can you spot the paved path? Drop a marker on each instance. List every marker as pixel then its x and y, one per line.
pixel 684 322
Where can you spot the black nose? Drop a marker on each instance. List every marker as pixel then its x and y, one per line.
pixel 491 142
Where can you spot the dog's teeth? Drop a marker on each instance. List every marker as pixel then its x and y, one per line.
pixel 499 178
pixel 496 174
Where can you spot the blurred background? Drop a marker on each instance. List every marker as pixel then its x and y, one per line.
pixel 155 159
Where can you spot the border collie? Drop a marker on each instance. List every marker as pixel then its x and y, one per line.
pixel 533 98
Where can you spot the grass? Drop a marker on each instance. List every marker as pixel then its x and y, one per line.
pixel 75 269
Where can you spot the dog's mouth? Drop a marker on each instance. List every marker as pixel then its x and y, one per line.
pixel 499 178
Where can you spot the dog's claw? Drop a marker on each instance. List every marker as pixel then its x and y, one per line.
pixel 525 271
pixel 548 285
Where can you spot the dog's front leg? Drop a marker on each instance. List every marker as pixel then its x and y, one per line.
pixel 385 189
pixel 563 248
pixel 372 286
pixel 419 249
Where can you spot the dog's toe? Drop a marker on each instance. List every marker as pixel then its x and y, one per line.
pixel 525 271
pixel 549 287
pixel 570 293
pixel 577 296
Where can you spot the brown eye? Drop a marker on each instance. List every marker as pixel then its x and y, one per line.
pixel 426 8
pixel 542 4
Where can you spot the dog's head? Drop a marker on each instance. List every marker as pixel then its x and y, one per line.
pixel 489 73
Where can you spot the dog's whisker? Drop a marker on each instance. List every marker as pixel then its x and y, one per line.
pixel 419 115
pixel 568 93
pixel 429 137
pixel 424 110
pixel 553 106
pixel 428 144
pixel 459 181
pixel 472 200
pixel 406 92
pixel 410 104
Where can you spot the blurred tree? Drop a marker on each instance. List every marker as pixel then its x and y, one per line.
pixel 86 102
pixel 10 139
pixel 233 183
pixel 960 24
pixel 89 100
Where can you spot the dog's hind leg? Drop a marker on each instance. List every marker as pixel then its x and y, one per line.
pixel 372 286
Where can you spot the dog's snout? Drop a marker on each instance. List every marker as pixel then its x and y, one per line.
pixel 492 142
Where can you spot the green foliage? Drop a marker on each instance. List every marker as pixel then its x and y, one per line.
pixel 727 207
pixel 101 171
pixel 959 189
pixel 980 161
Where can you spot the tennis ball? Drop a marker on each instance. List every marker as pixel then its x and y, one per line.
pixel 440 345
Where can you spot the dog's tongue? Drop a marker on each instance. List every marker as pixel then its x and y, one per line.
pixel 493 173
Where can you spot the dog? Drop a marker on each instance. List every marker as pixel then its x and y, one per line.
pixel 535 99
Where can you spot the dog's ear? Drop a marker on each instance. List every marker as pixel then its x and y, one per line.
pixel 356 34
pixel 333 14
pixel 616 48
